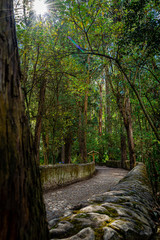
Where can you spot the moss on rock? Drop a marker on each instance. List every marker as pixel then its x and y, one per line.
pixel 126 212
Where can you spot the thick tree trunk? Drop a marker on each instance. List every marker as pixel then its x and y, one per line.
pixel 21 205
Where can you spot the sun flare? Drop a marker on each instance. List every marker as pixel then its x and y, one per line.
pixel 40 7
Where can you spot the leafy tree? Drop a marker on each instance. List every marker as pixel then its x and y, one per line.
pixel 117 61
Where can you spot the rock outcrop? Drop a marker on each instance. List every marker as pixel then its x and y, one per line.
pixel 127 212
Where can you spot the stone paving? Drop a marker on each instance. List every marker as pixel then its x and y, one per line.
pixel 129 211
pixel 61 200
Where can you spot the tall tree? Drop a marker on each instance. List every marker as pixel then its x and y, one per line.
pixel 123 146
pixel 100 107
pixel 39 117
pixel 21 205
pixel 123 102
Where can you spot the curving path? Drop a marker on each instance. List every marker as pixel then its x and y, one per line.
pixel 59 200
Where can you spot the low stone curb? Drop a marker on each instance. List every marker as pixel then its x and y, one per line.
pixel 58 175
pixel 127 212
pixel 118 164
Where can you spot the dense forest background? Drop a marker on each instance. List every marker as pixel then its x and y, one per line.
pixel 90 75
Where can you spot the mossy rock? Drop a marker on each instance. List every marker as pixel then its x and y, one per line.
pixel 126 212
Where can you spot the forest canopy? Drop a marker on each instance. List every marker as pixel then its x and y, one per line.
pixel 90 74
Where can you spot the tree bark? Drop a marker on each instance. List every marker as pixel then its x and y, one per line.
pixel 100 110
pixel 86 92
pixel 45 138
pixel 123 146
pixel 68 148
pixel 125 109
pixel 82 137
pixel 124 106
pixel 39 118
pixel 63 154
pixel 108 122
pixel 21 204
pixel 83 120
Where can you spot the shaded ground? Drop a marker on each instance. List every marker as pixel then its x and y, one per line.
pixel 58 200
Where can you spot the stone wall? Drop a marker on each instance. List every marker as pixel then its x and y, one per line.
pixel 53 176
pixel 128 212
pixel 117 164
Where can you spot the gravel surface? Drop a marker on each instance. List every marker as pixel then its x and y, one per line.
pixel 59 200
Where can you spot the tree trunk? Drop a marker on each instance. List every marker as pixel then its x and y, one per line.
pixel 39 118
pixel 21 204
pixel 45 139
pixel 123 147
pixel 86 92
pixel 82 137
pixel 83 120
pixel 63 154
pixel 100 110
pixel 155 130
pixel 124 106
pixel 125 109
pixel 108 122
pixel 68 148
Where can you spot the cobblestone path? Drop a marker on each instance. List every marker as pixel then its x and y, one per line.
pixel 59 200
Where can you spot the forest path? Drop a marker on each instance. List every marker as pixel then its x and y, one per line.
pixel 59 200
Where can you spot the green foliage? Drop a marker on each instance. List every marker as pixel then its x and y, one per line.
pixel 122 35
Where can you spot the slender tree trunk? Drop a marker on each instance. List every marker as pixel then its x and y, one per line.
pixel 82 137
pixel 52 145
pixel 155 130
pixel 86 92
pixel 100 110
pixel 39 118
pixel 45 139
pixel 68 148
pixel 123 147
pixel 63 154
pixel 83 121
pixel 129 129
pixel 44 150
pixel 108 122
pixel 125 109
pixel 124 106
pixel 21 204
pixel 86 106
